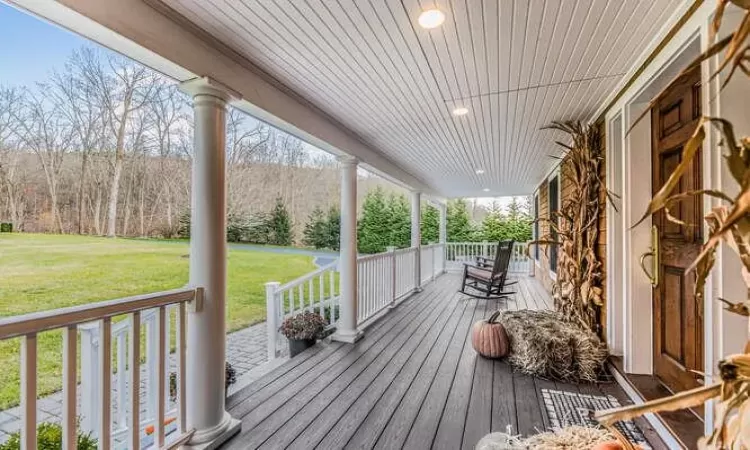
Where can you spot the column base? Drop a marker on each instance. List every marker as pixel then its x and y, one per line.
pixel 349 337
pixel 418 289
pixel 213 438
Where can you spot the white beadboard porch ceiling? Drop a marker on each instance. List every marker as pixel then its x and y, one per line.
pixel 515 64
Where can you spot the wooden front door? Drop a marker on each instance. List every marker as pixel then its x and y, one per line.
pixel 678 316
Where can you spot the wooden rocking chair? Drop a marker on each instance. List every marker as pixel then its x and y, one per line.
pixel 489 277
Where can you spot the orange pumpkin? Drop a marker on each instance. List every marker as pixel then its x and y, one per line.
pixel 489 338
pixel 612 445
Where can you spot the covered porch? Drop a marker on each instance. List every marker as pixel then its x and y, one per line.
pixel 437 111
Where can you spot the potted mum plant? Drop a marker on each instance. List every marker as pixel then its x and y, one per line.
pixel 302 330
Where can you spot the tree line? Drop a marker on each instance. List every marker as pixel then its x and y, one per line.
pixel 385 220
pixel 104 147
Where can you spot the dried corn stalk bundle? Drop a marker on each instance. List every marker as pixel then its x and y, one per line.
pixel 729 223
pixel 572 437
pixel 574 229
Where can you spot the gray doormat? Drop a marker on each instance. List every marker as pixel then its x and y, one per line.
pixel 571 408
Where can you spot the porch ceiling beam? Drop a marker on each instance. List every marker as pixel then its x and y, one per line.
pixel 169 44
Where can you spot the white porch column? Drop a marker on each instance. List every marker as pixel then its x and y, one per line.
pixel 206 328
pixel 443 224
pixel 443 231
pixel 347 330
pixel 416 237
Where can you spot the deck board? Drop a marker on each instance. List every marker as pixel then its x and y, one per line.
pixel 413 382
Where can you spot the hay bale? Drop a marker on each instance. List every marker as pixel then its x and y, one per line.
pixel 573 437
pixel 543 344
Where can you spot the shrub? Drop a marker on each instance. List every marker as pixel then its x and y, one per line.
pixel 49 437
pixel 6 227
pixel 303 326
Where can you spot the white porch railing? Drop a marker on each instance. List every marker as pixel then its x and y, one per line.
pixel 431 260
pixel 458 253
pixel 317 291
pixel 151 310
pixel 383 279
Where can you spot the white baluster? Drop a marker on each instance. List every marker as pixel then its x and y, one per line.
pixel 321 294
pixel 311 293
pixel 89 378
pixel 334 295
pixel 121 381
pixel 28 391
pixel 272 304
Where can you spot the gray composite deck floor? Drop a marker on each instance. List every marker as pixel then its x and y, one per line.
pixel 412 382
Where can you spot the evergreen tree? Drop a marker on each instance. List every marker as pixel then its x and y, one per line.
pixel 399 222
pixel 372 229
pixel 430 224
pixel 280 225
pixel 256 228
pixel 494 224
pixel 519 221
pixel 315 230
pixel 332 229
pixel 183 231
pixel 459 227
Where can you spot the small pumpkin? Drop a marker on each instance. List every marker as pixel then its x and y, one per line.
pixel 489 338
pixel 609 445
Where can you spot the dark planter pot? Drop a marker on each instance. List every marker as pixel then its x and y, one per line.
pixel 297 346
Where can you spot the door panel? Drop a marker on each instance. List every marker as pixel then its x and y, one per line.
pixel 678 325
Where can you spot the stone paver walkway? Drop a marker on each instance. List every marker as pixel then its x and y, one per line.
pixel 246 350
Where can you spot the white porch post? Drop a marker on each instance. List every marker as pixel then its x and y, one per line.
pixel 347 330
pixel 416 237
pixel 206 329
pixel 443 231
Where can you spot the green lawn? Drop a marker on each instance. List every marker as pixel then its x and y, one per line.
pixel 40 272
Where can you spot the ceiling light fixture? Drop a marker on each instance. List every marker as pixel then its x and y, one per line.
pixel 432 18
pixel 460 111
pixel 480 171
pixel 486 190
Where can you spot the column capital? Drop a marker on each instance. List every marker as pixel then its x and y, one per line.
pixel 208 86
pixel 347 160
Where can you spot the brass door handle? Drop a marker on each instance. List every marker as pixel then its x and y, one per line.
pixel 653 252
pixel 651 277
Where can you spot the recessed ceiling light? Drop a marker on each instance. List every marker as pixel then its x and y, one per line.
pixel 461 111
pixel 432 18
pixel 486 190
pixel 480 171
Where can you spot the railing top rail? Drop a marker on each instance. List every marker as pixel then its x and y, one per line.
pixel 373 256
pixel 405 250
pixel 38 322
pixel 309 276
